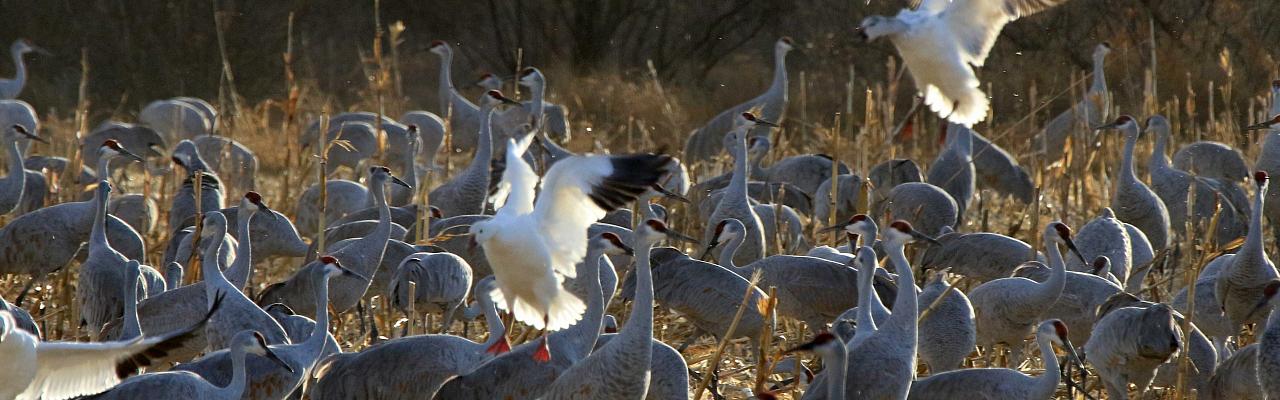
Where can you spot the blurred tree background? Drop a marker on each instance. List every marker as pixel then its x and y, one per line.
pixel 707 54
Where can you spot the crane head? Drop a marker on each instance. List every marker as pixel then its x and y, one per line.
pixel 22 130
pixel 110 145
pixel 529 75
pixel 332 268
pixel 436 213
pixel 1269 295
pixel 439 47
pixel 1101 265
pixel 660 228
pixel 822 340
pixel 786 44
pixel 1121 122
pixel 613 244
pixel 496 96
pixel 1063 234
pixel 257 344
pixel 1273 123
pixel 1261 178
pixel 253 201
pixel 903 231
pixel 757 120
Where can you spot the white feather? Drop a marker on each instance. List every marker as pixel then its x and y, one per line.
pixel 564 210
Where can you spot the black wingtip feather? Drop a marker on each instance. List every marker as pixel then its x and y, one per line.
pixel 129 366
pixel 632 175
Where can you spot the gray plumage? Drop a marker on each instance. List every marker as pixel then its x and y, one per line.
pixel 430 134
pixel 132 329
pixel 887 175
pixel 1081 295
pixel 351 230
pixel 705 294
pixel 183 205
pixel 210 114
pixel 21 317
pixel 1203 357
pixel 953 170
pixel 402 196
pixel 1269 160
pixel 1212 160
pixel 1208 314
pixel 1000 383
pixel 807 171
pixel 18 112
pixel 927 207
pixel 1236 378
pixel 704 143
pixel 785 227
pixel 1269 346
pixel 231 160
pixel 138 139
pixel 443 283
pixel 102 274
pixel 300 328
pixel 172 276
pixel 11 88
pixel 13 185
pixel 362 138
pixel 1104 236
pixel 362 257
pixel 846 204
pixel 948 334
pixel 59 165
pixel 238 313
pixel 181 385
pixel 983 256
pixel 999 171
pixel 175 119
pixel 1172 185
pixel 669 376
pixel 463 116
pixel 858 323
pixel 343 197
pixel 735 203
pixel 1091 111
pixel 1128 343
pixel 621 368
pixel 1008 308
pixel 275 379
pixel 1142 257
pixel 1134 202
pixel 468 190
pixel 180 251
pixel 1241 283
pixel 757 192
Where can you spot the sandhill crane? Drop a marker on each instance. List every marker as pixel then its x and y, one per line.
pixel 466 193
pixel 883 364
pixel 887 175
pixel 238 313
pixel 1143 255
pixel 138 139
pixel 923 205
pixel 443 283
pixel 705 142
pixel 669 376
pixel 230 159
pixel 10 88
pixel 13 185
pixel 1172 186
pixel 402 196
pixel 189 386
pixel 430 132
pixel 983 256
pixel 947 334
pixel 300 328
pixel 959 37
pixel 705 294
pixel 172 275
pixel 463 116
pixel 1091 111
pixel 363 256
pixel 1269 344
pixel 870 311
pixel 807 171
pixel 1241 283
pixel 1269 154
pixel 515 373
pixel 1236 377
pixel 1008 308
pixel 60 370
pixel 580 190
pixel 621 369
pixel 45 240
pixel 1002 383
pixel 542 116
pixel 21 317
pixel 1081 295
pixel 175 119
pixel 344 197
pixel 846 206
pixel 735 203
pixel 1128 343
pixel 362 138
pixel 210 114
pixel 211 189
pixel 377 373
pixel 1211 160
pixel 1103 236
pixel 953 170
pixel 275 379
pixel 999 171
pixel 834 355
pixel 810 289
pixel 1134 202
pixel 101 275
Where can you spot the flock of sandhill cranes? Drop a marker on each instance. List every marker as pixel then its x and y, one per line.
pixel 553 251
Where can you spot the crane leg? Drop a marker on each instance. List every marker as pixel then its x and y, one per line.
pixel 23 295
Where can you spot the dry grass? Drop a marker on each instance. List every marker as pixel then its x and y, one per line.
pixel 614 114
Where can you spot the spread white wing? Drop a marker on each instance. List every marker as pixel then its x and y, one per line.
pixel 516 190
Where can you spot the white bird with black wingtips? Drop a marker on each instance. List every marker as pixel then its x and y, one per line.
pixel 533 246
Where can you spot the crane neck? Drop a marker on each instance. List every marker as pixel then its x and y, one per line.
pixel 235 389
pixel 1253 239
pixel 1099 74
pixel 319 333
pixel 839 365
pixel 640 323
pixel 1051 288
pixel 104 166
pixel 132 328
pixel 446 81
pixel 866 294
pixel 240 269
pixel 536 106
pixel 17 172
pixel 779 83
pixel 729 251
pixel 1127 174
pixel 491 318
pixel 1048 381
pixel 173 277
pixel 20 69
pixel 484 141
pixel 582 336
pixel 738 181
pixel 962 142
pixel 903 319
pixel 210 270
pixel 1158 160
pixel 98 233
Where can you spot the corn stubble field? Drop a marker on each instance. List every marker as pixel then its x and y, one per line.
pixel 641 112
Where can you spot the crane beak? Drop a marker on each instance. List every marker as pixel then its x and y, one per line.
pixel 350 273
pixel 862 35
pixel 1071 353
pixel 130 154
pixel 156 150
pixel 1107 126
pixel 1072 246
pixel 266 210
pixel 401 183
pixel 832 228
pixel 671 233
pixel 706 252
pixel 1262 304
pixel 273 357
pixel 1258 126
pixel 760 121
pixel 920 236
